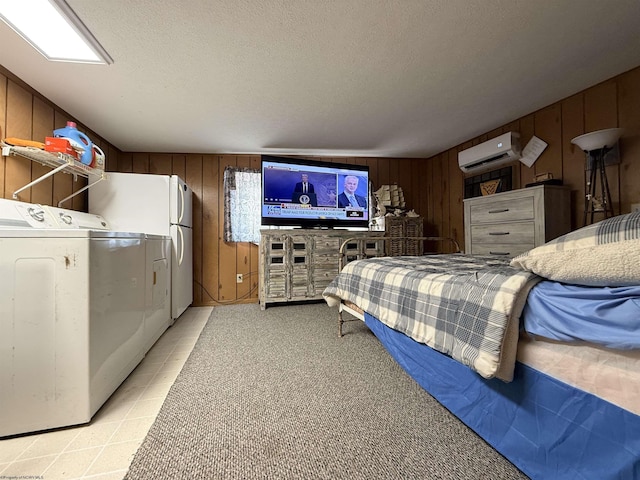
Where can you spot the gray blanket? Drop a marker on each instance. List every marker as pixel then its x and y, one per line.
pixel 462 305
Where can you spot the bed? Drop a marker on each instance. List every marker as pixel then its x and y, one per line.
pixel 539 355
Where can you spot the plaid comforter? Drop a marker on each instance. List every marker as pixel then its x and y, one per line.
pixel 462 305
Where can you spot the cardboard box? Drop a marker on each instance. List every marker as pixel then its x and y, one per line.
pixel 62 145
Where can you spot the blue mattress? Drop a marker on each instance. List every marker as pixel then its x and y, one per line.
pixel 545 427
pixel 608 316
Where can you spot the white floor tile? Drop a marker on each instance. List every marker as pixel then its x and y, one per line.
pixel 12 448
pixel 72 464
pixel 145 408
pixel 50 443
pixel 157 390
pixel 29 468
pixel 133 429
pixel 94 435
pixel 138 379
pixel 114 457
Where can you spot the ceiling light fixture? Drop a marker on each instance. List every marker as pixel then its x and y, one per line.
pixel 53 28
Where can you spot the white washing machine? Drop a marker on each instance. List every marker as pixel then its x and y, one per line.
pixel 74 297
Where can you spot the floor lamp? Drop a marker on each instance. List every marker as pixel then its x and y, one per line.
pixel 597 195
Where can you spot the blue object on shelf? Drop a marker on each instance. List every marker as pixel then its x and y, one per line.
pixel 81 140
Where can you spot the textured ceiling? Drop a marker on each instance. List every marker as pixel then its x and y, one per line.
pixel 393 78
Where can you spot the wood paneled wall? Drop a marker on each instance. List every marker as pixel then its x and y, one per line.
pixel 27 115
pixel 613 103
pixel 433 187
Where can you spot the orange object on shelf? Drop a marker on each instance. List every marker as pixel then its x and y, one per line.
pixel 23 143
pixel 55 144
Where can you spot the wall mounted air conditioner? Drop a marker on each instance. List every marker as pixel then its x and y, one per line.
pixel 490 154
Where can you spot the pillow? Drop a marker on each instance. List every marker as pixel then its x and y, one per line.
pixel 604 254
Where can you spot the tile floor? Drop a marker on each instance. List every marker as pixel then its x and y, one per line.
pixel 104 448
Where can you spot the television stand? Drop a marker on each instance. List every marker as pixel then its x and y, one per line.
pixel 298 264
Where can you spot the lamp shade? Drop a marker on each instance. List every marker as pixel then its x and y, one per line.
pixel 598 139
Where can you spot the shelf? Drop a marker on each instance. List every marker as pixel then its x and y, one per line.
pixel 59 162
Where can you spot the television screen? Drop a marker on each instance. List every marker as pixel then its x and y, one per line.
pixel 312 194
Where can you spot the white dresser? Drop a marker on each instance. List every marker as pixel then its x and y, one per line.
pixel 513 222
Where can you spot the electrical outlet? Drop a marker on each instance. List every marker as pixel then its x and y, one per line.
pixel 635 207
pixel 239 278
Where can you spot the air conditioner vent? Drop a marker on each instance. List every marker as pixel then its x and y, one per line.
pixel 490 154
pixel 490 160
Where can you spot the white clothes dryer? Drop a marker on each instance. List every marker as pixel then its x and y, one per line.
pixel 72 308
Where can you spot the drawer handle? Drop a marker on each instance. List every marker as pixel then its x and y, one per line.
pixel 498 253
pixel 498 233
pixel 502 210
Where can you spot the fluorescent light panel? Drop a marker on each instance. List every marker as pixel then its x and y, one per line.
pixel 52 28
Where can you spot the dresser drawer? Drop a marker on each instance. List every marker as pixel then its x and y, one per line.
pixel 325 259
pixel 502 211
pixel 325 271
pixel 504 233
pixel 327 244
pixel 500 249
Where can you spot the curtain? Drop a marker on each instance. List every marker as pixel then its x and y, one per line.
pixel 242 205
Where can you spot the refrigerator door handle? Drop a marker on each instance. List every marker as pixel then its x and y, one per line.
pixel 181 214
pixel 181 243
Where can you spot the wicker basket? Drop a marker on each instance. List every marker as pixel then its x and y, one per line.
pixel 397 227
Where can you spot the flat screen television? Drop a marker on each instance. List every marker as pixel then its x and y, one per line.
pixel 313 194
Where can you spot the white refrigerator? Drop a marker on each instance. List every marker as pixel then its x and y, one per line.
pixel 157 205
